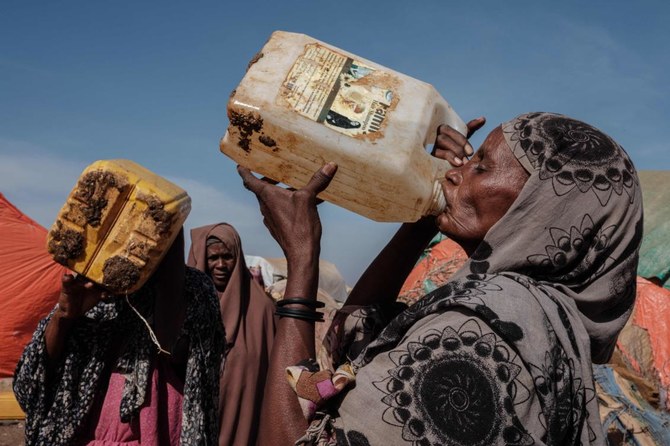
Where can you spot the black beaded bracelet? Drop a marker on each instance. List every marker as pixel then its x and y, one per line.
pixel 311 303
pixel 300 314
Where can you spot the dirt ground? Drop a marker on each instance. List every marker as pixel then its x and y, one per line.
pixel 11 433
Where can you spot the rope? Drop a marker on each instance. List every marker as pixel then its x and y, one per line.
pixel 154 339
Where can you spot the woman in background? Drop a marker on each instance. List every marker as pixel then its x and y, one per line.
pixel 248 315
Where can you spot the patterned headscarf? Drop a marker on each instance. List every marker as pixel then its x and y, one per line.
pixel 554 278
pixel 578 221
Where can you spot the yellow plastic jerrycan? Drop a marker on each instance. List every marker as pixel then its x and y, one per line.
pixel 117 224
pixel 303 103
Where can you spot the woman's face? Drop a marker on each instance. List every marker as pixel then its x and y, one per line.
pixel 220 264
pixel 481 191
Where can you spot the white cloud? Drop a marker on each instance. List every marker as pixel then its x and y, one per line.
pixel 34 180
pixel 25 168
pixel 38 182
pixel 210 205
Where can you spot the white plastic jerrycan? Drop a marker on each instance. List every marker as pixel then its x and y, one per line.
pixel 303 103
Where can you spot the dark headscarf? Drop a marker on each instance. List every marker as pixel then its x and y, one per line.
pixel 248 318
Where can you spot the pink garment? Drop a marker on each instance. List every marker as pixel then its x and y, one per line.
pixel 159 421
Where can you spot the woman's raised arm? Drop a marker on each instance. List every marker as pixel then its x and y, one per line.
pixel 293 220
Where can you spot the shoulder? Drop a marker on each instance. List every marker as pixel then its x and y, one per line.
pixel 260 298
pixel 197 280
pixel 199 288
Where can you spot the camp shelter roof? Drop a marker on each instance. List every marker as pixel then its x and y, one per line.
pixel 330 278
pixel 655 250
pixel 29 283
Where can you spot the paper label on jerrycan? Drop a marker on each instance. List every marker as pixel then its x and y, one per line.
pixel 339 92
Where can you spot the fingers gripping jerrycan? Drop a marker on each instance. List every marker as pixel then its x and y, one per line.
pixel 303 103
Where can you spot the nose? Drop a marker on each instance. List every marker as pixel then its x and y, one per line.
pixel 454 176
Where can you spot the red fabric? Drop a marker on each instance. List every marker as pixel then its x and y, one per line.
pixel 444 259
pixel 29 283
pixel 652 312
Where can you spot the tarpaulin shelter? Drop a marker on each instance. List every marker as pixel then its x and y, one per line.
pixel 655 250
pixel 29 283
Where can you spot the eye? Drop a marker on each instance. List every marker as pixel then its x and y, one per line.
pixel 479 167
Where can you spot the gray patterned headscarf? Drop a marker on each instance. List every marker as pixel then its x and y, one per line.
pixel 554 278
pixel 581 218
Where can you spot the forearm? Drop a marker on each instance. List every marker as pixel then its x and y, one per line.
pixel 294 342
pixel 55 336
pixel 382 280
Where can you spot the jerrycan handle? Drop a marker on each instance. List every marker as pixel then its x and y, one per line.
pixel 444 114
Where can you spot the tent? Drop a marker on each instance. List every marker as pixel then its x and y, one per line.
pixel 29 283
pixel 655 249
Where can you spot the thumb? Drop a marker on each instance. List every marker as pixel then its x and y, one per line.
pixel 475 125
pixel 322 178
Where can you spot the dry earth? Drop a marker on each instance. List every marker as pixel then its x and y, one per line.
pixel 11 433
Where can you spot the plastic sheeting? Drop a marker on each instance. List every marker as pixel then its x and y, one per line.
pixel 627 417
pixel 29 283
pixel 655 250
pixel 644 344
pixel 330 278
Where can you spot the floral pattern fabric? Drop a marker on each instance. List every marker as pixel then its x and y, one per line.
pixel 57 404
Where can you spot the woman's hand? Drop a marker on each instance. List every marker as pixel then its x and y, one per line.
pixel 291 216
pixel 77 296
pixel 454 147
pixel 385 276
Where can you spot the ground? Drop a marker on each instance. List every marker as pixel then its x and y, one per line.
pixel 11 433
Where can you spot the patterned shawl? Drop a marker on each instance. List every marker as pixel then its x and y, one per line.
pixel 553 283
pixel 57 406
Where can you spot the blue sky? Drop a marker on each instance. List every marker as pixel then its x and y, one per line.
pixel 149 81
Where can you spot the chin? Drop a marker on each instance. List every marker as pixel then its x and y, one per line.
pixel 220 285
pixel 442 223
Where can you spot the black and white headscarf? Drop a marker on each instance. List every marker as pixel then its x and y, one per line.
pixel 502 353
pixel 57 405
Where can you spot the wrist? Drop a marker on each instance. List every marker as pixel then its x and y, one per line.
pixel 63 315
pixel 302 278
pixel 61 321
